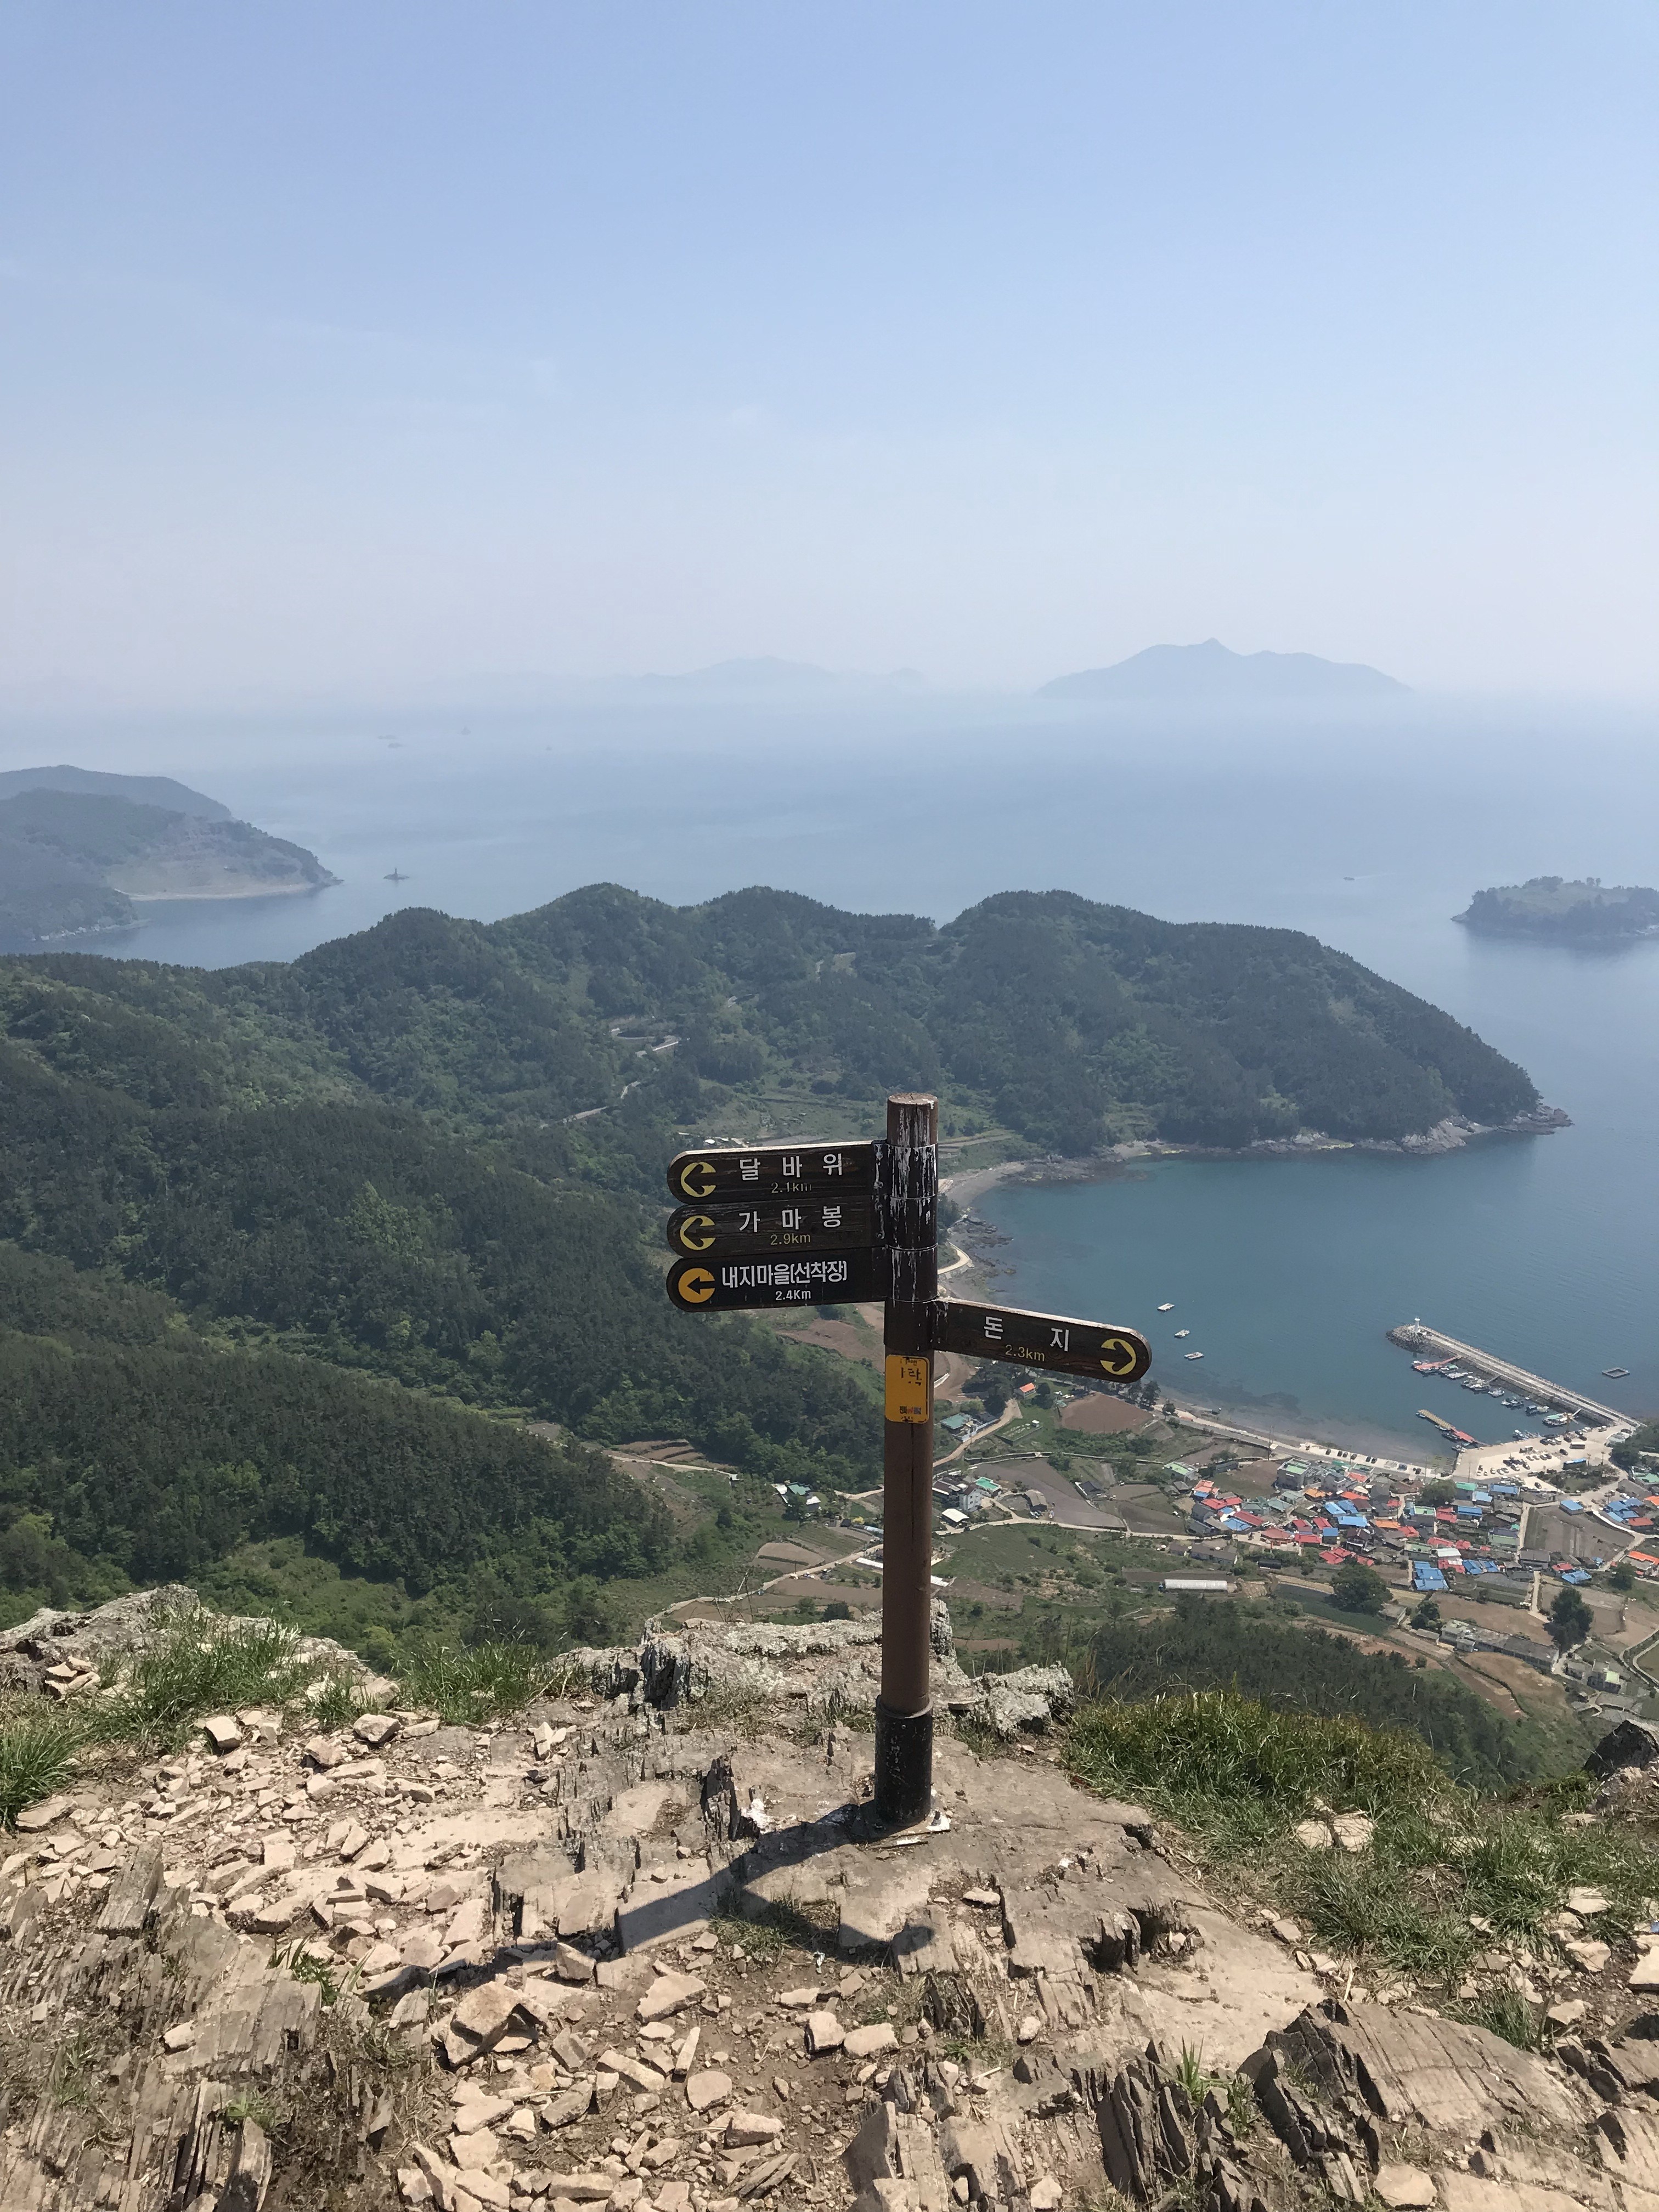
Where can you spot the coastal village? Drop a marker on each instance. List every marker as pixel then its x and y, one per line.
pixel 1056 1499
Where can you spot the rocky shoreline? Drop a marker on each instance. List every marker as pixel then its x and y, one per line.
pixel 1451 1135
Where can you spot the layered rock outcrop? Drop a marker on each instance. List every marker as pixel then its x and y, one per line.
pixel 644 1946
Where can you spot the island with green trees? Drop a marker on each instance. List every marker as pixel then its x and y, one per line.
pixel 1559 912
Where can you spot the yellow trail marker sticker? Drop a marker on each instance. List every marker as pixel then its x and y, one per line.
pixel 907 1391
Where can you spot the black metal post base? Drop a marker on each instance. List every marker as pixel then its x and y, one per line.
pixel 904 1766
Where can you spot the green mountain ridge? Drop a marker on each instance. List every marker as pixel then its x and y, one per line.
pixel 1072 1023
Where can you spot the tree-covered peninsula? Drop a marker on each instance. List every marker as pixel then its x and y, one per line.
pixel 81 854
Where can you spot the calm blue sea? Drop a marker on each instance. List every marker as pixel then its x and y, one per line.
pixel 1371 833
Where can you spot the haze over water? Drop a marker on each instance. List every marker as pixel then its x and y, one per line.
pixel 1369 833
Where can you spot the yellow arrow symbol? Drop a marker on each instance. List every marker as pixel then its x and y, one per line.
pixel 1117 1355
pixel 696 1233
pixel 695 1286
pixel 697 1179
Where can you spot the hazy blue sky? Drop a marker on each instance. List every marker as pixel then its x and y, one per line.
pixel 344 349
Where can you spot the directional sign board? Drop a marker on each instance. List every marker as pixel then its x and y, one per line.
pixel 815 1224
pixel 733 1174
pixel 1033 1340
pixel 806 1278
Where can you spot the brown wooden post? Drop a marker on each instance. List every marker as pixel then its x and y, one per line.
pixel 907 1205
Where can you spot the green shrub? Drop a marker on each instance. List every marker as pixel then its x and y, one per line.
pixel 1505 2011
pixel 1358 1589
pixel 305 1966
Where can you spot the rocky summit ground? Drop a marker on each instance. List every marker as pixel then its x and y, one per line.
pixel 644 1945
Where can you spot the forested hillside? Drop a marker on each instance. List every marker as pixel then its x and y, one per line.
pixel 429 1159
pixel 151 1455
pixel 1070 1023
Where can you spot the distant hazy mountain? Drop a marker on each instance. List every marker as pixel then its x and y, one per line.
pixel 768 677
pixel 143 790
pixel 1210 671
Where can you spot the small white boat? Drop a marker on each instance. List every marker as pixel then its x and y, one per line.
pixel 1168 1308
pixel 1180 1333
pixel 1192 1355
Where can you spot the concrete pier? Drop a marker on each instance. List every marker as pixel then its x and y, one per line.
pixel 1417 1337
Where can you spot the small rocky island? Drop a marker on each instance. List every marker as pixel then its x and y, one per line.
pixel 1559 912
pixel 81 853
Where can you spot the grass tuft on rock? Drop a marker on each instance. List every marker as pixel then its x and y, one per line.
pixel 37 1750
pixel 482 1681
pixel 1505 2011
pixel 778 1926
pixel 198 1665
pixel 336 1700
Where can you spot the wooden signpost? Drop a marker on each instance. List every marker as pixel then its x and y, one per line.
pixel 1051 1341
pixel 806 1279
pixel 835 1224
pixel 819 1225
pixel 730 1173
